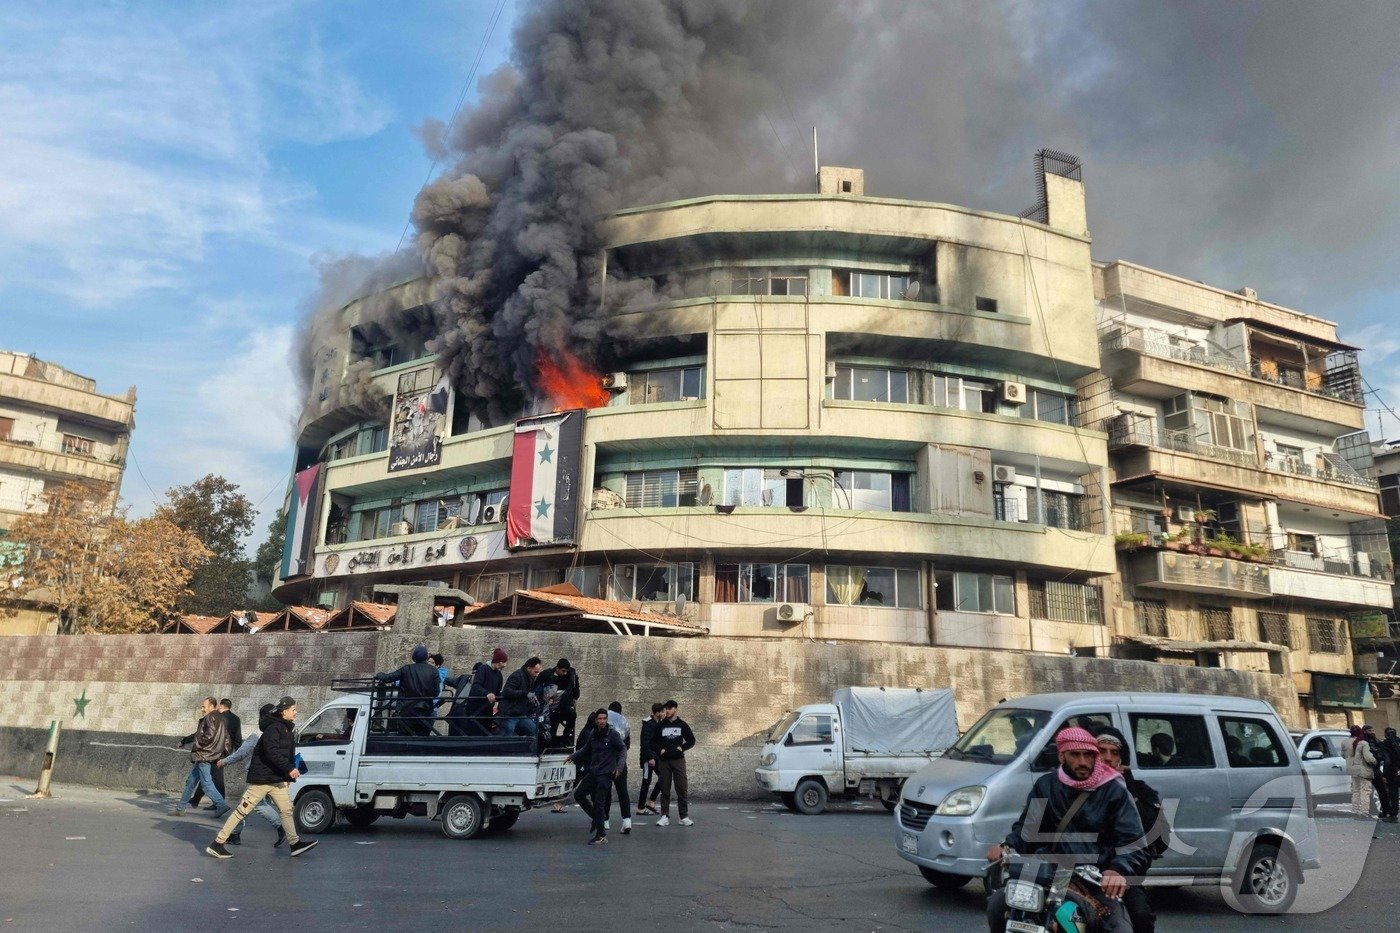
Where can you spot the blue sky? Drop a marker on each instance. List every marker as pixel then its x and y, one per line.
pixel 171 172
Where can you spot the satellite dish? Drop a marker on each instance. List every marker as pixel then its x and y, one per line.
pixel 912 291
pixel 474 511
pixel 707 494
pixel 680 605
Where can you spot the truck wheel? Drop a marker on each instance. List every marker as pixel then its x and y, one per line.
pixel 462 817
pixel 1267 882
pixel 810 796
pixel 314 812
pixel 942 880
pixel 789 800
pixel 503 821
pixel 889 804
pixel 360 817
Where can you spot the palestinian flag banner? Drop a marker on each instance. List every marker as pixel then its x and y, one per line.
pixel 544 480
pixel 302 501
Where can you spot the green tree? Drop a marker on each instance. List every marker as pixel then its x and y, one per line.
pixel 266 559
pixel 214 511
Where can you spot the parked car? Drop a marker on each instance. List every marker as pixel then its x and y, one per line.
pixel 1229 776
pixel 865 742
pixel 1325 764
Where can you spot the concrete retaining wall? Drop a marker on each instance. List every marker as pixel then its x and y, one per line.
pixel 143 690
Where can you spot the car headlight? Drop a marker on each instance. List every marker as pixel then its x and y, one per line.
pixel 768 759
pixel 1023 895
pixel 962 802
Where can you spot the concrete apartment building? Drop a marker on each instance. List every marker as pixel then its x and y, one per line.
pixel 1248 526
pixel 55 427
pixel 862 409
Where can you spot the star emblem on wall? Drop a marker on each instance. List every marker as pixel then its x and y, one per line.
pixel 542 508
pixel 80 704
pixel 546 454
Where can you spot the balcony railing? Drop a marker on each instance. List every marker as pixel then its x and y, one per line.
pixel 1127 434
pixel 1327 472
pixel 1341 565
pixel 1340 380
pixel 57 446
pixel 1184 353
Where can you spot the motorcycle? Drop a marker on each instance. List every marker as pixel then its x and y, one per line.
pixel 1045 896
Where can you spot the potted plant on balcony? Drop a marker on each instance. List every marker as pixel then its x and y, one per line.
pixel 1130 541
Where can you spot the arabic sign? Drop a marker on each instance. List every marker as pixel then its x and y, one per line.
pixel 419 420
pixel 416 555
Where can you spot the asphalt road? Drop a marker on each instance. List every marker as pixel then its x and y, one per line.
pixel 103 860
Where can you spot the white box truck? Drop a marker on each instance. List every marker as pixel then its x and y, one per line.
pixel 865 742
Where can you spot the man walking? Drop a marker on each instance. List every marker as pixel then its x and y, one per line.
pixel 210 744
pixel 418 685
pixel 1391 744
pixel 606 755
pixel 648 759
pixel 272 768
pixel 1384 771
pixel 243 753
pixel 624 800
pixel 518 700
pixel 673 740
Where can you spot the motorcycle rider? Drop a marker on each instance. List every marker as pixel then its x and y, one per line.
pixel 1113 749
pixel 1082 808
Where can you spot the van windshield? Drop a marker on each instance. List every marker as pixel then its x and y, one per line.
pixel 999 736
pixel 784 724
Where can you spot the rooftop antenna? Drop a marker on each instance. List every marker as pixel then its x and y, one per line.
pixel 816 161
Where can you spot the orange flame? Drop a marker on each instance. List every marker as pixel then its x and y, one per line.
pixel 569 382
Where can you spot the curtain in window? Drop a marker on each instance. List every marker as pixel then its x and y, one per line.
pixel 845 584
pixel 727 583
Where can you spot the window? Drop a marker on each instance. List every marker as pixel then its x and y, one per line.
pixel 73 444
pixel 661 489
pixel 432 514
pixel 1049 757
pixel 653 582
pixel 1176 413
pixel 871 384
pixel 1390 489
pixel 813 730
pixel 1061 509
pixel 489 587
pixel 1066 602
pixel 666 385
pixel 373 523
pixel 1274 629
pixel 866 491
pixel 7 428
pixel 1251 743
pixel 1289 457
pixel 898 286
pixel 1323 636
pixel 767 282
pixel 584 579
pixel 1151 615
pixel 762 583
pixel 964 394
pixel 988 305
pixel 333 727
pixel 757 486
pixel 373 439
pixel 976 592
pixel 873 586
pixel 1219 623
pixel 1303 543
pixel 1168 740
pixel 999 736
pixel 1322 746
pixel 1224 427
pixel 1050 407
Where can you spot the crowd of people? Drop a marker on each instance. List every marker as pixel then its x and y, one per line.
pixel 1374 765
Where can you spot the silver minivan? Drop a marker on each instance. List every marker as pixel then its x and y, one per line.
pixel 1229 775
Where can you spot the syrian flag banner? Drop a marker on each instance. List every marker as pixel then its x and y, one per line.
pixel 544 480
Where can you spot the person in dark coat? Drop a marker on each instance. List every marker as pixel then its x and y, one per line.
pixel 1385 769
pixel 273 767
pixel 605 752
pixel 1113 749
pixel 418 685
pixel 518 700
pixel 209 743
pixel 648 760
pixel 565 716
pixel 1391 745
pixel 475 695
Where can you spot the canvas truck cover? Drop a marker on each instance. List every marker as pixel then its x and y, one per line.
pixel 897 720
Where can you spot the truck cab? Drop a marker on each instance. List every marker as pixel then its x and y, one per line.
pixel 805 745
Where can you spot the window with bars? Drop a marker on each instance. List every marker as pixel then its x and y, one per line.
pixel 1274 629
pixel 73 444
pixel 1151 615
pixel 1324 636
pixel 1066 602
pixel 1219 623
pixel 661 489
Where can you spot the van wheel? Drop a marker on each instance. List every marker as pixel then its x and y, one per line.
pixel 789 800
pixel 1268 882
pixel 889 804
pixel 314 812
pixel 810 797
pixel 942 880
pixel 360 817
pixel 462 817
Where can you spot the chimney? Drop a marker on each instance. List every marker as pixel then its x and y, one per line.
pixel 833 179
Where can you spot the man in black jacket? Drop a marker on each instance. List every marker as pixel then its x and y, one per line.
pixel 272 767
pixel 565 678
pixel 210 743
pixel 474 696
pixel 418 685
pixel 1080 809
pixel 1391 745
pixel 1112 750
pixel 673 740
pixel 605 753
pixel 518 700
pixel 648 760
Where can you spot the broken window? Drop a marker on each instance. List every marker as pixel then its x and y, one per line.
pixel 871 491
pixel 762 583
pixel 964 394
pixel 679 384
pixel 759 281
pixel 890 587
pixel 653 582
pixel 763 487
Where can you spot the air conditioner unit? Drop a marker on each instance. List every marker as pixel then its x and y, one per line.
pixel 1003 474
pixel 792 612
pixel 830 371
pixel 1186 513
pixel 615 382
pixel 1013 392
pixel 492 514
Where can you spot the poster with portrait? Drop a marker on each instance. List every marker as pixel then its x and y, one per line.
pixel 419 420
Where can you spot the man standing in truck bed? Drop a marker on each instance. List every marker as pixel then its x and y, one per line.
pixel 673 740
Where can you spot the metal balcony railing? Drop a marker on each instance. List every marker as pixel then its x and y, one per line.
pixel 1184 353
pixel 1341 378
pixel 57 446
pixel 1129 434
pixel 1328 472
pixel 1341 565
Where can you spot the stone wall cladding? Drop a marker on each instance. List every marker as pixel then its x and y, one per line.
pixel 730 690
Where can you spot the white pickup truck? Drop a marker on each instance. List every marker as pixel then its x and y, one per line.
pixel 865 742
pixel 361 765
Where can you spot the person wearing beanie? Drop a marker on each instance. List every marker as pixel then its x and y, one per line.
pixel 474 697
pixel 1082 808
pixel 1113 749
pixel 273 767
pixel 418 685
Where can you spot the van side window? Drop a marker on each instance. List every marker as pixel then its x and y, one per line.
pixel 1048 758
pixel 812 730
pixel 1251 743
pixel 332 727
pixel 1319 743
pixel 1169 740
